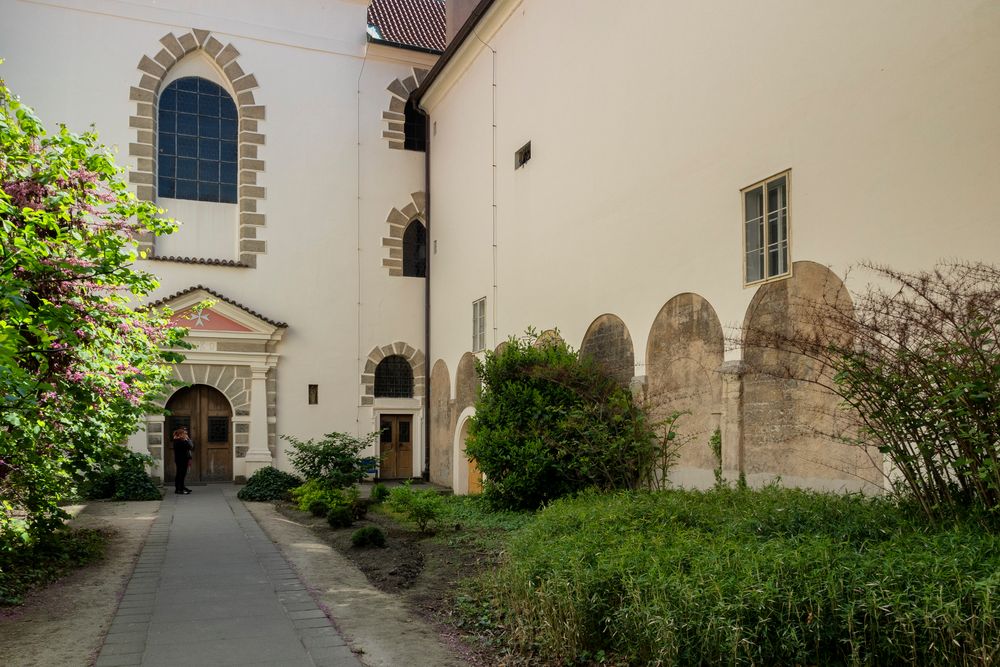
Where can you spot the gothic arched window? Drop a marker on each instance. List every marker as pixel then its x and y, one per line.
pixel 415 250
pixel 197 137
pixel 394 378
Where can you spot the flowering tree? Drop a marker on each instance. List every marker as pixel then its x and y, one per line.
pixel 79 365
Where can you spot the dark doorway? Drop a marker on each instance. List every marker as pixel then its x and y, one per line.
pixel 208 417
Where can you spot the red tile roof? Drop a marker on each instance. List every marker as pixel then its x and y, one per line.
pixel 418 23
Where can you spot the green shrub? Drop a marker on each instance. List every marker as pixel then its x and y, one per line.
pixel 37 563
pixel 379 492
pixel 340 516
pixel 549 423
pixel 319 508
pixel 121 476
pixel 422 507
pixel 333 460
pixel 268 484
pixel 369 536
pixel 317 490
pixel 731 576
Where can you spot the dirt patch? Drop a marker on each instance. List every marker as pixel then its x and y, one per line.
pixel 423 571
pixel 65 623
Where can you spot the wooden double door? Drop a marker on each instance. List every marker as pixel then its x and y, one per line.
pixel 208 417
pixel 395 446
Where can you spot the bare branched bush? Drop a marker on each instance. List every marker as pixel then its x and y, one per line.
pixel 916 361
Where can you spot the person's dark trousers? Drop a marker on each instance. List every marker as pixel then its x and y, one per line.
pixel 182 468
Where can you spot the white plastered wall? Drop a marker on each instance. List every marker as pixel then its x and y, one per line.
pixel 330 178
pixel 645 129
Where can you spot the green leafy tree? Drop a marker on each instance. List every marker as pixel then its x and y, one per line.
pixel 549 423
pixel 79 364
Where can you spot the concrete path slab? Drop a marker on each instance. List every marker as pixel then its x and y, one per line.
pixel 210 588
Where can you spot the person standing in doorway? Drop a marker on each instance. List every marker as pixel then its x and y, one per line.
pixel 183 454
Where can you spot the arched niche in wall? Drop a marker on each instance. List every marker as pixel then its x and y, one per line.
pixel 788 418
pixel 609 343
pixel 683 353
pixel 467 478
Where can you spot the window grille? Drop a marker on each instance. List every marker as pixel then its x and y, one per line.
pixel 197 137
pixel 218 429
pixel 394 378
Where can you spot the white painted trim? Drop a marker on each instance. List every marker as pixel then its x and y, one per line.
pixel 398 56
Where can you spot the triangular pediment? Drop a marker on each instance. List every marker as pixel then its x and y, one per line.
pixel 225 317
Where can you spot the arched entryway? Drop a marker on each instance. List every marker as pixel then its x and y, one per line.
pixel 475 476
pixel 206 413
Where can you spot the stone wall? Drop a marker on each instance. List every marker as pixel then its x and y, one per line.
pixel 609 343
pixel 787 418
pixel 440 419
pixel 683 354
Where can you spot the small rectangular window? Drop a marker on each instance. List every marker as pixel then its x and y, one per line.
pixel 313 394
pixel 522 155
pixel 765 229
pixel 479 325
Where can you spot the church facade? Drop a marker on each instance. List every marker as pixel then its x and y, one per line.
pixel 372 196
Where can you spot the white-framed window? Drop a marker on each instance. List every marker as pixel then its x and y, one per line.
pixel 766 223
pixel 479 325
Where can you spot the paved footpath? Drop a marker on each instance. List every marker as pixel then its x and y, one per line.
pixel 211 589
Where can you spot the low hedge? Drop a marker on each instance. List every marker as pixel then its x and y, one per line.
pixel 776 576
pixel 268 484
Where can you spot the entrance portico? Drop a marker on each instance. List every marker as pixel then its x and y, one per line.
pixel 234 359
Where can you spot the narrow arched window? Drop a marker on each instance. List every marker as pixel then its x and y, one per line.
pixel 414 127
pixel 415 250
pixel 394 378
pixel 197 138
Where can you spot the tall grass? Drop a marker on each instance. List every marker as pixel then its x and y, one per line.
pixel 746 577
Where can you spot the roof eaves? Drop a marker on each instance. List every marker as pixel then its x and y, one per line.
pixel 463 34
pixel 407 47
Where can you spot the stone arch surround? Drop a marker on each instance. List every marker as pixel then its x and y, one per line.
pixel 398 220
pixel 395 116
pixel 234 381
pixel 415 358
pixel 143 150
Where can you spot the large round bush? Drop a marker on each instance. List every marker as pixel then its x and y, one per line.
pixel 549 423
